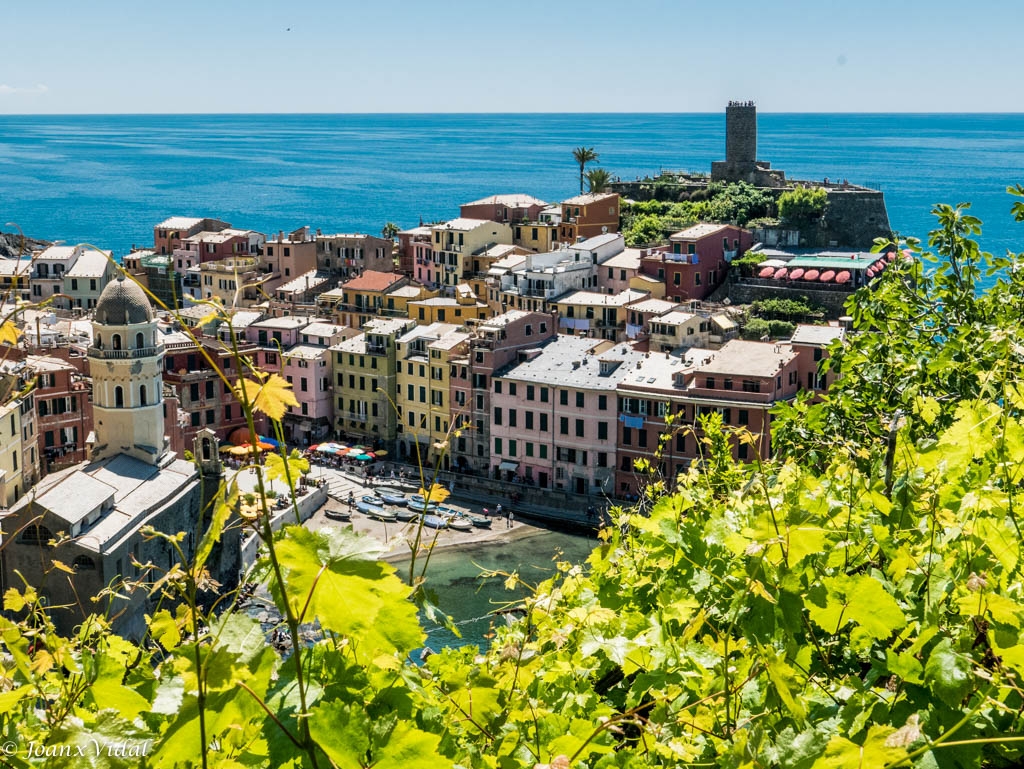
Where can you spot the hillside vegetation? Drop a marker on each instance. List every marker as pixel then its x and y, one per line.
pixel 856 602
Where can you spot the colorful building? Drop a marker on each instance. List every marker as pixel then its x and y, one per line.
pixel 365 376
pixel 553 420
pixel 423 389
pixel 589 215
pixel 494 344
pixel 342 256
pixel 455 244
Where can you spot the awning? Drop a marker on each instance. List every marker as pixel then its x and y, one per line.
pixel 507 465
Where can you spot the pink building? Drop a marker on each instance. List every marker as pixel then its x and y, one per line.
pixel 811 345
pixel 306 367
pixel 415 249
pixel 698 260
pixel 616 274
pixel 511 208
pixel 494 344
pixel 742 381
pixel 553 417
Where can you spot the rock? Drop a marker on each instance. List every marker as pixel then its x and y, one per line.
pixel 12 246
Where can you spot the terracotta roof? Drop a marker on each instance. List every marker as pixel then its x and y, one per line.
pixel 371 280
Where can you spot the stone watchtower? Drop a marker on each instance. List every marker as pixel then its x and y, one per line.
pixel 126 362
pixel 741 133
pixel 741 163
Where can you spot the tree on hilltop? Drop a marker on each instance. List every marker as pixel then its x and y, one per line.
pixel 803 206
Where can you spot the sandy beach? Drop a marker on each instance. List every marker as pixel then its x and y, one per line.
pixel 399 537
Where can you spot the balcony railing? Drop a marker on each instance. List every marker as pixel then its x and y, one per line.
pixel 142 352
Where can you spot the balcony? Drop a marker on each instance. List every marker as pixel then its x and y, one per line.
pixel 354 416
pixel 376 349
pixel 142 352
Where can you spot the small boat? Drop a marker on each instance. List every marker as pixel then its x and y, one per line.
pixel 381 514
pixel 460 523
pixel 404 514
pixel 480 521
pixel 393 497
pixel 419 505
pixel 339 515
pixel 435 522
pixel 363 506
pixel 373 499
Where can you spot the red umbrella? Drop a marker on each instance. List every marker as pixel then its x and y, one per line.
pixel 781 273
pixel 827 275
pixel 766 272
pixel 843 277
pixel 797 273
pixel 811 275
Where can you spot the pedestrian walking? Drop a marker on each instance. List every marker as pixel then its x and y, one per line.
pixel 497 510
pixel 511 519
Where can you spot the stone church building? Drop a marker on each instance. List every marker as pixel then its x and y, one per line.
pixel 96 510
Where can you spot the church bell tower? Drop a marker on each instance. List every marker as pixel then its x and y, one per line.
pixel 126 361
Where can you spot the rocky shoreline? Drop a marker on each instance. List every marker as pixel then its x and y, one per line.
pixel 15 246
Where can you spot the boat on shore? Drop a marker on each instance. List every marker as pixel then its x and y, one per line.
pixel 435 522
pixel 381 514
pixel 338 515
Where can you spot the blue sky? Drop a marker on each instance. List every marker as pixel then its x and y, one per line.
pixel 118 56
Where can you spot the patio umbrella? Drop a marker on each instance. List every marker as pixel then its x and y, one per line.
pixel 797 273
pixel 766 272
pixel 225 448
pixel 262 446
pixel 240 451
pixel 273 443
pixel 239 436
pixel 314 447
pixel 811 275
pixel 773 263
pixel 362 457
pixel 381 453
pixel 891 256
pixel 353 452
pixel 843 277
pixel 781 273
pixel 827 276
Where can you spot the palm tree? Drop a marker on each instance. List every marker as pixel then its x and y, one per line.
pixel 389 231
pixel 598 179
pixel 584 155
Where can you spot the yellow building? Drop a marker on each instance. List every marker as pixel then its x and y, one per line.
pixel 601 316
pixel 450 309
pixel 423 388
pixel 235 281
pixel 539 235
pixel 11 448
pixel 457 243
pixel 365 382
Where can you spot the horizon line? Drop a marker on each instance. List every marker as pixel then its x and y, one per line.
pixel 494 114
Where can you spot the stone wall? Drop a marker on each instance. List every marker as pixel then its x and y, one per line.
pixel 748 291
pixel 854 218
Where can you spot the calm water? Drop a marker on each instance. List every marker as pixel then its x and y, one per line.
pixel 454 573
pixel 108 179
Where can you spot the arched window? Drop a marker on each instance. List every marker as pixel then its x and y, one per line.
pixel 99 341
pixel 140 341
pixel 142 395
pixel 116 341
pixel 119 397
pixel 84 563
pixel 36 535
pixel 207 453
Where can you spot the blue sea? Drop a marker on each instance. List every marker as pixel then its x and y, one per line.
pixel 107 180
